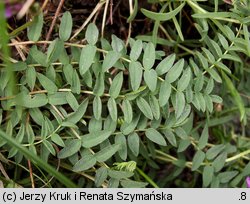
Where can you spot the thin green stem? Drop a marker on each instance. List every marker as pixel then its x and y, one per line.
pixel 148 179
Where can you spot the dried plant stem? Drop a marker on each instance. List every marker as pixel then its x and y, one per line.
pixel 98 6
pixel 54 22
pixel 31 174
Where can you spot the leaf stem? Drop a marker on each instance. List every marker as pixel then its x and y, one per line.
pixel 148 179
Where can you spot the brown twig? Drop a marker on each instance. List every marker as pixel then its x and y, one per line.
pixel 53 22
pixel 31 174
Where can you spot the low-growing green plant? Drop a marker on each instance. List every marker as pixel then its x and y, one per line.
pixel 133 116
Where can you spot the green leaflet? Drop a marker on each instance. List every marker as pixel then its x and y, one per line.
pixel 149 56
pixel 198 159
pixel 219 162
pixel 117 44
pixel 86 59
pixel 94 125
pixel 214 151
pixel 180 104
pixel 47 83
pixel 133 184
pixel 155 136
pixel 162 16
pixel 204 138
pixel 184 80
pixel 73 103
pixel 116 85
pixel 49 147
pixel 31 77
pixel 144 107
pixel 94 138
pixel 92 34
pixel 119 174
pixel 150 77
pixel 127 128
pixel 38 56
pixel 99 86
pixel 120 139
pixel 68 73
pixel 107 152
pixel 57 140
pixel 207 176
pixel 225 177
pixel 135 75
pixel 79 113
pixel 210 86
pixel 65 26
pixel 54 51
pixel 136 50
pixel 112 108
pixel 170 137
pixel 127 111
pixel 100 176
pixel 164 94
pixel 165 65
pixel 199 82
pixel 85 163
pixel 71 148
pixel 97 107
pixel 58 98
pixel 110 59
pixel 134 143
pixel 29 101
pixel 155 108
pixel 175 71
pixel 35 30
